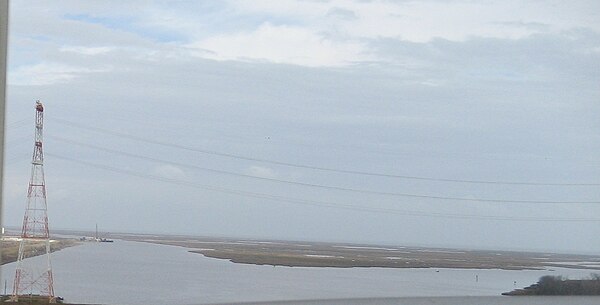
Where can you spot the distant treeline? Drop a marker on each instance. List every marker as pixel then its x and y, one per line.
pixel 557 285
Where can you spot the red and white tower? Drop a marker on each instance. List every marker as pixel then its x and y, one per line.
pixel 33 279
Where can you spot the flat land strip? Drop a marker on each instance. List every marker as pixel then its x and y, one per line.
pixel 10 248
pixel 312 254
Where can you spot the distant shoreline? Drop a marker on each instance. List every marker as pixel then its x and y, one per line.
pixel 10 248
pixel 340 255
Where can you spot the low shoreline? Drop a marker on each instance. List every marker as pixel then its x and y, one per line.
pixel 10 248
pixel 428 261
pixel 337 255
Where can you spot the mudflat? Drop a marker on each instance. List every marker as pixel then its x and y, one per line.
pixel 343 255
pixel 10 248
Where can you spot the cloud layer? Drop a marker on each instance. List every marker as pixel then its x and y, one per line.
pixel 502 91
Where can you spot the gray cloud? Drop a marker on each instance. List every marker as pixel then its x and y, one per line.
pixel 483 108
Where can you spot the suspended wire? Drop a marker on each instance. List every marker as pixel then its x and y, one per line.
pixel 329 187
pixel 278 198
pixel 14 159
pixel 312 167
pixel 129 116
pixel 18 141
pixel 16 124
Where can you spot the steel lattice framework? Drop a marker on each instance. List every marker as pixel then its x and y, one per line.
pixel 32 279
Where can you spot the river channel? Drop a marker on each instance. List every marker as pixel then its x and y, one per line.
pixel 136 273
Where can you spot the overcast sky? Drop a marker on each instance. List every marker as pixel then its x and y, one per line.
pixel 503 91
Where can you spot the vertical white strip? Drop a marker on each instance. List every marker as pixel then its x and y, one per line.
pixel 3 49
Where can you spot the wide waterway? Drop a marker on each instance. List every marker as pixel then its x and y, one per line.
pixel 126 272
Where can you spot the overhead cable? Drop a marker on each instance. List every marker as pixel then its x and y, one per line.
pixel 312 167
pixel 314 185
pixel 278 198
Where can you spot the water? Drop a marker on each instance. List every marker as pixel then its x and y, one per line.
pixel 473 300
pixel 135 273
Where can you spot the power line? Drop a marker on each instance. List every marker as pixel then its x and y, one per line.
pixel 18 123
pixel 14 158
pixel 312 167
pixel 17 141
pixel 314 185
pixel 128 116
pixel 278 198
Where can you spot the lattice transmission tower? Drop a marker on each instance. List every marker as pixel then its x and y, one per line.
pixel 31 278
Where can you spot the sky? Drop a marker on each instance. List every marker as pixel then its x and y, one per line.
pixel 436 123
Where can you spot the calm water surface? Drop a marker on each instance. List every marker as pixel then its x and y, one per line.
pixel 135 273
pixel 472 300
